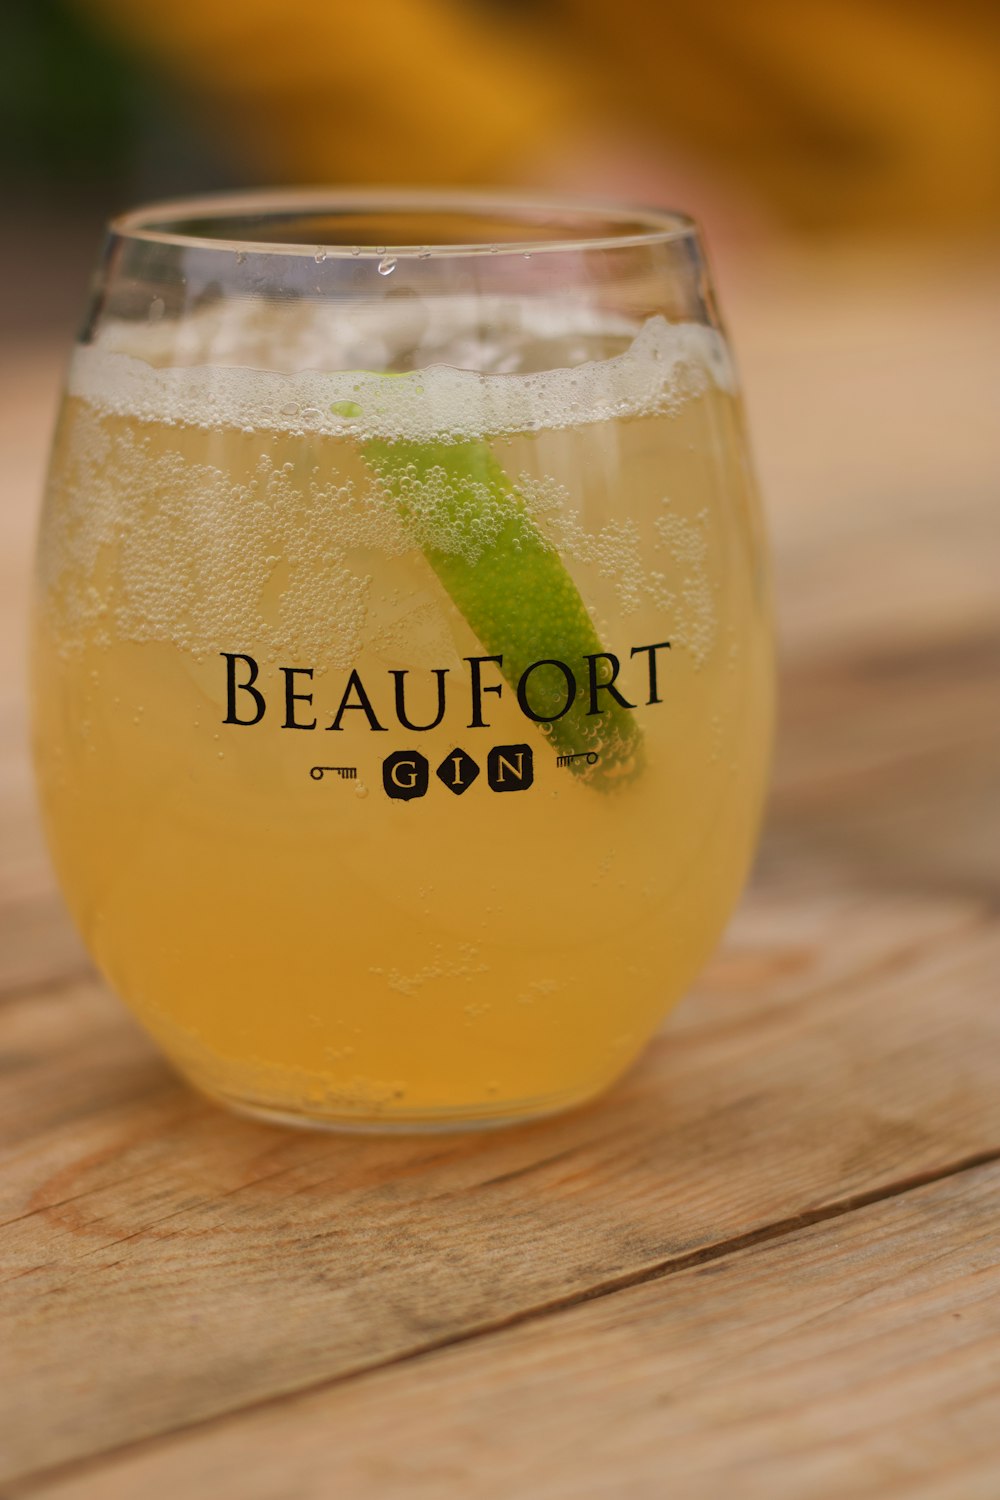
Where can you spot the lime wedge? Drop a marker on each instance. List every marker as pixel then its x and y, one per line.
pixel 514 590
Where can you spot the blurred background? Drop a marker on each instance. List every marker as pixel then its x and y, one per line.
pixel 844 159
pixel 812 120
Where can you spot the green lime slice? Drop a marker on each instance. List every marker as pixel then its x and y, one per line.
pixel 517 595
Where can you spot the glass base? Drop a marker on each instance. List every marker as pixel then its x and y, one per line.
pixel 450 1122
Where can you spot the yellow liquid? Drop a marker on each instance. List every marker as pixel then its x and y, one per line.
pixel 307 945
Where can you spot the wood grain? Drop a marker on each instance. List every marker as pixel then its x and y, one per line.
pixel 163 1263
pixel 888 767
pixel 856 1357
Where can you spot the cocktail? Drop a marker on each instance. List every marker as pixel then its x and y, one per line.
pixel 402 667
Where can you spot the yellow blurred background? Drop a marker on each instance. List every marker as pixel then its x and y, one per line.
pixel 817 118
pixel 826 114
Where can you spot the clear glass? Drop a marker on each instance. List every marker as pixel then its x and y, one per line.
pixel 402 663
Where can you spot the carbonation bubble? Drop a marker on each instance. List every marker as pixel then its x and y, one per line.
pixel 387 265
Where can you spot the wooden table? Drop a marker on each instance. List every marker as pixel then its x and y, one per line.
pixel 768 1264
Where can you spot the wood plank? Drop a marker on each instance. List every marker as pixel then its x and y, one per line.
pixel 888 765
pixel 871 391
pixel 860 1357
pixel 164 1263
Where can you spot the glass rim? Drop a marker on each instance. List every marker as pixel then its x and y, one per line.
pixel 623 225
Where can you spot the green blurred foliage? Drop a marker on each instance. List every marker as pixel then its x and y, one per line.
pixel 69 100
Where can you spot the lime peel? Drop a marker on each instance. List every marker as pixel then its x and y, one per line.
pixel 515 592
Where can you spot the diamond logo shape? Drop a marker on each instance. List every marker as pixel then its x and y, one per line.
pixel 458 771
pixel 510 768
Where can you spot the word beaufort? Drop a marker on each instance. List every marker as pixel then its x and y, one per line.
pixel 594 677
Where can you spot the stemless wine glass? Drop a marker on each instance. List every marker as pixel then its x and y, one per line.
pixel 402 669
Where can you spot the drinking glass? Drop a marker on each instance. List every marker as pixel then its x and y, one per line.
pixel 402 671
